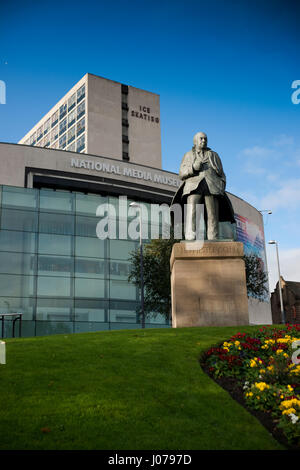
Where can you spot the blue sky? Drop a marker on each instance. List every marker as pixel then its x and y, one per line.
pixel 222 67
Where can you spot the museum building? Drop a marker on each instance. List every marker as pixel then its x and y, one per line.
pixel 101 141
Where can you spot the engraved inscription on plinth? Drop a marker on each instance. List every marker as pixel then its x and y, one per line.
pixel 209 285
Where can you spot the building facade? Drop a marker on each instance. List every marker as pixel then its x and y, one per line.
pixel 54 267
pixel 290 299
pixel 102 117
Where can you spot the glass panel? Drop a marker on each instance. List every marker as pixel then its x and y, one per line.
pixel 71 118
pixel 62 126
pixel 86 226
pixel 86 204
pixel 126 316
pixel 62 110
pixel 39 133
pixel 72 101
pixel 54 286
pixel 54 118
pixel 71 134
pixel 80 109
pixel 56 223
pixel 80 93
pixel 80 144
pixel 19 220
pixel 89 287
pixel 17 263
pixel 80 126
pixel 55 266
pixel 91 268
pixel 46 126
pixel 54 133
pixel 16 286
pixel 62 141
pixel 55 244
pixel 33 139
pixel 122 290
pixel 54 309
pixel 89 247
pixel 119 270
pixel 71 148
pixel 90 310
pixel 120 249
pixel 17 305
pixel 19 197
pixel 54 327
pixel 17 241
pixel 56 200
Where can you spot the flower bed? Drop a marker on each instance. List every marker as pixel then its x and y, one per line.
pixel 265 367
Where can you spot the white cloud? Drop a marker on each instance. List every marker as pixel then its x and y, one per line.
pixel 289 261
pixel 257 151
pixel 286 196
pixel 283 140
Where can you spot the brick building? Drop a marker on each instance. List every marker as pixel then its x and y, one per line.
pixel 291 302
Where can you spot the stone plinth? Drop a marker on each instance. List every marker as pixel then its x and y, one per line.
pixel 209 285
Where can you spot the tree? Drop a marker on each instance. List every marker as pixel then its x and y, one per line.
pixel 256 278
pixel 157 282
pixel 157 286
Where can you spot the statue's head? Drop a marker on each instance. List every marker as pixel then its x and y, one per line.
pixel 200 140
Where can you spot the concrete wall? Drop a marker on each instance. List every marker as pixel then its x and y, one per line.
pixel 144 127
pixel 104 117
pixel 14 158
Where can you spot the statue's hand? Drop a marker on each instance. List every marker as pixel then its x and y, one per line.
pixel 197 164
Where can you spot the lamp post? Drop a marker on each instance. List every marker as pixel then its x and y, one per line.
pixel 135 204
pixel 274 242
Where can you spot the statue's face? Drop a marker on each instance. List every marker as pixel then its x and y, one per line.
pixel 201 140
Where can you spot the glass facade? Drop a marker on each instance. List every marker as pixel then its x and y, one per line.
pixel 66 125
pixel 55 270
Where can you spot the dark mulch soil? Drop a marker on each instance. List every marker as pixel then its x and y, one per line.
pixel 236 391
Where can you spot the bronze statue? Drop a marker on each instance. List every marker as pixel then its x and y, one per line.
pixel 204 180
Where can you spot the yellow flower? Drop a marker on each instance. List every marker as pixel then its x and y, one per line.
pixel 289 411
pixel 279 351
pixel 261 386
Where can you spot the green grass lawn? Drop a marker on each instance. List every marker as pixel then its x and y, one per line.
pixel 116 390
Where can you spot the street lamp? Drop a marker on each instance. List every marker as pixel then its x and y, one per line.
pixel 274 242
pixel 135 204
pixel 266 210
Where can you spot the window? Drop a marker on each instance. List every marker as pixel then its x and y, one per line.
pixel 80 110
pixel 80 93
pixel 46 126
pixel 80 127
pixel 71 147
pixel 62 141
pixel 62 126
pixel 39 133
pixel 46 140
pixel 71 135
pixel 54 119
pixel 72 102
pixel 55 145
pixel 62 110
pixel 71 118
pixel 54 134
pixel 33 139
pixel 80 144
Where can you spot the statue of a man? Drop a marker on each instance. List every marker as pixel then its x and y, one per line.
pixel 204 181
